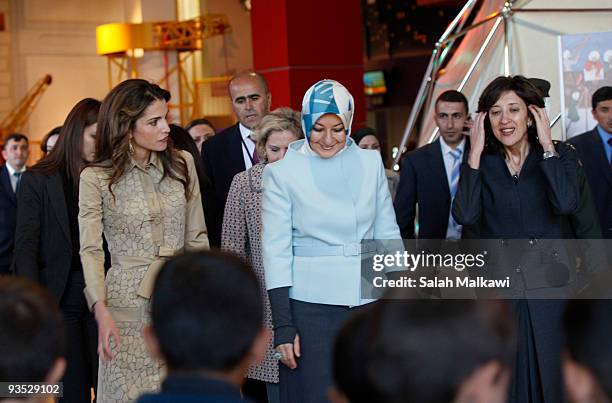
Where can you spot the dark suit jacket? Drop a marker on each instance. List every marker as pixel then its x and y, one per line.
pixel 222 159
pixel 43 248
pixel 423 181
pixel 591 152
pixel 532 208
pixel 8 212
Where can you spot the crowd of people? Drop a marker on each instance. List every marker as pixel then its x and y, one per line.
pixel 109 285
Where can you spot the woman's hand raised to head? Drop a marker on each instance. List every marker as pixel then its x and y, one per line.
pixel 477 140
pixel 543 126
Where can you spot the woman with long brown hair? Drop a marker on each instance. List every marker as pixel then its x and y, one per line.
pixel 47 242
pixel 144 196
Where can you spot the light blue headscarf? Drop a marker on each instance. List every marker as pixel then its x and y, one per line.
pixel 327 96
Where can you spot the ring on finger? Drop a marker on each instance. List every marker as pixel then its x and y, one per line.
pixel 278 355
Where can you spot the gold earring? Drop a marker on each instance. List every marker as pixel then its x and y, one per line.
pixel 130 147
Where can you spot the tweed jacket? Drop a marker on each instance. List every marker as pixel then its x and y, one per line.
pixel 241 234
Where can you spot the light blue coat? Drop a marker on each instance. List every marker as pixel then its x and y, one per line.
pixel 310 205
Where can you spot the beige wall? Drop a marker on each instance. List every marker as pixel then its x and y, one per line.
pixel 231 53
pixel 58 38
pixel 6 101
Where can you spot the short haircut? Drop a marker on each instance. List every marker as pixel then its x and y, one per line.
pixel 525 90
pixel 454 96
pixel 351 358
pixel 277 121
pixel 31 331
pixel 16 137
pixel 425 349
pixel 542 85
pixel 251 73
pixel 198 122
pixel 207 310
pixel 588 326
pixel 602 94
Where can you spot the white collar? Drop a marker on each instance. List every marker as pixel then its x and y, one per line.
pixel 12 170
pixel 244 131
pixel 446 148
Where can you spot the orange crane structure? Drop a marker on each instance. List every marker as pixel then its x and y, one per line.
pixel 121 43
pixel 18 116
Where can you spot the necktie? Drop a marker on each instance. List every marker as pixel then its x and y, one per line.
pixel 18 176
pixel 610 143
pixel 454 228
pixel 254 156
pixel 454 182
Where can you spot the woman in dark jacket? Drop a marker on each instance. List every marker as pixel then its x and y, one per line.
pixel 515 188
pixel 47 242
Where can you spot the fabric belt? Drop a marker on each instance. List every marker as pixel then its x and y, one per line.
pixel 129 314
pixel 348 249
pixel 145 289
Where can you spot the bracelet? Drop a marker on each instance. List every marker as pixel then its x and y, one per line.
pixel 549 154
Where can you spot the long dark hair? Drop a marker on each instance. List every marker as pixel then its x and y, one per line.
pixel 67 155
pixel 120 110
pixel 525 90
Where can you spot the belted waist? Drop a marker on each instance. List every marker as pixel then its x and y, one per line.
pixel 129 314
pixel 347 249
pixel 155 263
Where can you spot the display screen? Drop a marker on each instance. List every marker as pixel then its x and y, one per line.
pixel 374 82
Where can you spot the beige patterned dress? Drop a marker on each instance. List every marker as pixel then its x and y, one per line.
pixel 148 219
pixel 242 236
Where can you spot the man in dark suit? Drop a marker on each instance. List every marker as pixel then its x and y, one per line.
pixel 430 175
pixel 232 150
pixel 595 152
pixel 15 152
pixel 221 334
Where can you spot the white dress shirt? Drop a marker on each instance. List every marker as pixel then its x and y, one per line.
pixel 12 177
pixel 247 153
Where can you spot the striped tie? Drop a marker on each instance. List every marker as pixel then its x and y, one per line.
pixel 454 229
pixel 454 182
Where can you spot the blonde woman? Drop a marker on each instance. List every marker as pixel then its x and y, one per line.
pixel 242 219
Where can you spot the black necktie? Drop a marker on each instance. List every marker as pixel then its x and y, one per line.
pixel 18 176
